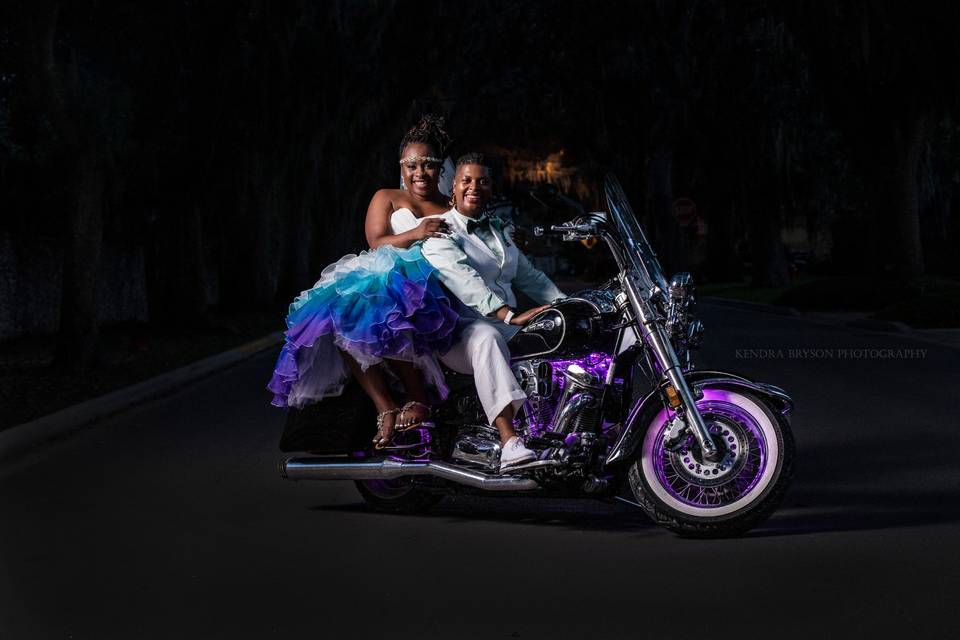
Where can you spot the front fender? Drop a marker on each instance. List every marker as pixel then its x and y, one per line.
pixel 650 405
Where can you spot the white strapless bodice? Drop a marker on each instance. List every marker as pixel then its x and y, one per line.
pixel 402 220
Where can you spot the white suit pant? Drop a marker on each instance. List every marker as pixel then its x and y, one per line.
pixel 482 351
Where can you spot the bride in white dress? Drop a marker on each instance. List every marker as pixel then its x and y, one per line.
pixel 384 304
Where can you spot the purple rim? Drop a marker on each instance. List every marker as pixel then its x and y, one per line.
pixel 675 476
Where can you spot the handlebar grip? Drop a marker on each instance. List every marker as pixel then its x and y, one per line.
pixel 562 229
pixel 555 228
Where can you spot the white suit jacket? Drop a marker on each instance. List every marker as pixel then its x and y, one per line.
pixel 479 278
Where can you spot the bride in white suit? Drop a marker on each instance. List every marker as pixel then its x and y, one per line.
pixel 480 264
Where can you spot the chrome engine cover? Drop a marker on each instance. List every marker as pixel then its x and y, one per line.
pixel 479 447
pixel 562 395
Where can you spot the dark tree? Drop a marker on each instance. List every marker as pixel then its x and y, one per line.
pixel 887 70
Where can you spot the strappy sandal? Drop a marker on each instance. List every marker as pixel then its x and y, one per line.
pixel 380 441
pixel 402 426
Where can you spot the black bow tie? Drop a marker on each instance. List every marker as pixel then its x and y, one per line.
pixel 483 222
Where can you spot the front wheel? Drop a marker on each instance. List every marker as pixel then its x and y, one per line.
pixel 695 498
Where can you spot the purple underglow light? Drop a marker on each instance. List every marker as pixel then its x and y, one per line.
pixel 597 364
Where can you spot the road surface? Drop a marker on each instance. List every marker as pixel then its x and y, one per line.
pixel 171 521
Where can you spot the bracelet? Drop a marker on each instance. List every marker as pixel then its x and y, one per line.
pixel 508 317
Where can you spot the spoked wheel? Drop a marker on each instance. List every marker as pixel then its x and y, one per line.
pixel 397 496
pixel 698 498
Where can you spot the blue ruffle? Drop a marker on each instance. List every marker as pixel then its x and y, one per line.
pixel 385 303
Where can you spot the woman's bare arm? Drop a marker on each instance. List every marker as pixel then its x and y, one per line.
pixel 377 224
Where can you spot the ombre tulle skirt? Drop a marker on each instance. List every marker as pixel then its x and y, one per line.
pixel 381 304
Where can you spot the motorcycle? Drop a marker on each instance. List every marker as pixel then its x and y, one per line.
pixel 615 410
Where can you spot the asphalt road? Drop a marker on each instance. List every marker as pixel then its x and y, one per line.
pixel 171 521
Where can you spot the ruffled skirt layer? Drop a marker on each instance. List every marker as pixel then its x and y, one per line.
pixel 381 304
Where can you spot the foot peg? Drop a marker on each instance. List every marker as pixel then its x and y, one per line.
pixel 529 466
pixel 414 442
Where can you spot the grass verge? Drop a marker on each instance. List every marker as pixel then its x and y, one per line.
pixel 31 386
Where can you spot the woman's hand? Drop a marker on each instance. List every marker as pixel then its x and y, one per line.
pixel 430 228
pixel 522 319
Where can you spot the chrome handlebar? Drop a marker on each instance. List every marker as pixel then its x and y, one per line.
pixel 568 230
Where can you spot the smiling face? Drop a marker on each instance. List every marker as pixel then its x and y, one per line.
pixel 472 189
pixel 420 175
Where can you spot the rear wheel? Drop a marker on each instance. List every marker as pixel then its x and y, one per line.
pixel 400 495
pixel 696 498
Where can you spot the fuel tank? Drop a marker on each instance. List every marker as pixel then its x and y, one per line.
pixel 571 328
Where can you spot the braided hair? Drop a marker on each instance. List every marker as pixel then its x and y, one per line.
pixel 430 131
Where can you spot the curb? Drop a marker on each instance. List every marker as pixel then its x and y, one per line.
pixel 30 434
pixel 752 306
pixel 888 326
pixel 872 324
pixel 880 325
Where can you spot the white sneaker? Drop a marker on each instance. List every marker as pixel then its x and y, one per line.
pixel 515 453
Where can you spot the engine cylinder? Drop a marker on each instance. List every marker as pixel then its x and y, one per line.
pixel 578 407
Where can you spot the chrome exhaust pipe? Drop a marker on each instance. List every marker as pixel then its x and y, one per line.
pixel 319 468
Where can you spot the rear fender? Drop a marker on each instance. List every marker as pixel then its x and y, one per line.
pixel 650 405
